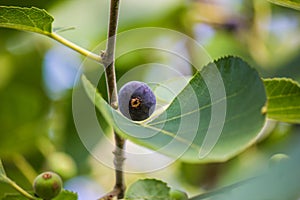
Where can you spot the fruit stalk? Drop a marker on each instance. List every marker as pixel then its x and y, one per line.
pixel 18 188
pixel 108 60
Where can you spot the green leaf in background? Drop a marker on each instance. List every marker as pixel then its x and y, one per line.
pixel 244 120
pixel 2 172
pixel 277 183
pixel 295 4
pixel 283 97
pixel 26 19
pixel 148 189
pixel 64 195
pixel 14 197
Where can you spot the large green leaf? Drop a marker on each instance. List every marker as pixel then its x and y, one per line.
pixel 191 125
pixel 148 189
pixel 295 4
pixel 283 96
pixel 26 19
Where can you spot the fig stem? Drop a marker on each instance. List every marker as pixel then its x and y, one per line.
pixel 108 56
pixel 108 60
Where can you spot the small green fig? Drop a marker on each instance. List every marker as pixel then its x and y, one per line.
pixel 178 195
pixel 47 185
pixel 278 159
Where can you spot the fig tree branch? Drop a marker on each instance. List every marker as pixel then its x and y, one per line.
pixel 108 60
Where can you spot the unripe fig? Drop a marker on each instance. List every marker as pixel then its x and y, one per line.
pixel 178 195
pixel 47 185
pixel 278 159
pixel 136 101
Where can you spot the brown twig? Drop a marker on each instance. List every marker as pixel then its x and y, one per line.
pixel 108 60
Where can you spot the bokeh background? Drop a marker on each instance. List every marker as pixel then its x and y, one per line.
pixel 37 75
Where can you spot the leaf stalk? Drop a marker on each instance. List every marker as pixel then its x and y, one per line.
pixel 75 47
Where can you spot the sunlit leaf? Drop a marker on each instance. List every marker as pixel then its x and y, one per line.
pixel 148 189
pixel 283 96
pixel 190 124
pixel 295 4
pixel 26 19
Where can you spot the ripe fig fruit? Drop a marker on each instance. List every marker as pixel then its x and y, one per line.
pixel 136 101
